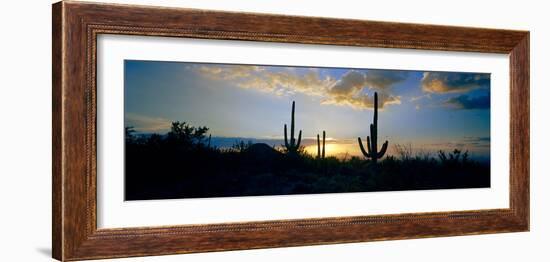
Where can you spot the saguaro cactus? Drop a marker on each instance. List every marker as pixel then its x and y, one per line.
pixel 319 154
pixel 372 144
pixel 293 145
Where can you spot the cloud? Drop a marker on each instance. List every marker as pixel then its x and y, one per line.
pixel 228 72
pixel 351 83
pixel 357 100
pixel 354 81
pixel 451 82
pixel 467 102
pixel 146 124
pixel 474 140
pixel 277 82
pixel 384 79
pixel 288 83
pixel 465 142
pixel 417 98
pixel 349 90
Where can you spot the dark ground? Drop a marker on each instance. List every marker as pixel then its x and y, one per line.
pixel 181 164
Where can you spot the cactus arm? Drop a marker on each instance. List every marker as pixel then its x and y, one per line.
pixel 362 148
pixel 292 141
pixel 292 145
pixel 318 147
pixel 297 145
pixel 369 146
pixel 286 139
pixel 375 120
pixel 383 149
pixel 372 147
pixel 324 144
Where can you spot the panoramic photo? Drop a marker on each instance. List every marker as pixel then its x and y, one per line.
pixel 199 130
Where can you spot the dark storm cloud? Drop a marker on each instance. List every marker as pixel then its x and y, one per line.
pixel 468 102
pixel 452 82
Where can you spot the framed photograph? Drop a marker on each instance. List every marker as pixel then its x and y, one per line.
pixel 182 130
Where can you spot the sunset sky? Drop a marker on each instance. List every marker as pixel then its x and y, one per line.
pixel 430 110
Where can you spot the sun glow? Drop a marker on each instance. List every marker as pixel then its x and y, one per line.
pixel 333 149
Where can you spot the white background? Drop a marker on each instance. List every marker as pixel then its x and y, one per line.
pixel 25 136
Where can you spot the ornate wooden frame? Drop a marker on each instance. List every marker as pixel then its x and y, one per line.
pixel 76 26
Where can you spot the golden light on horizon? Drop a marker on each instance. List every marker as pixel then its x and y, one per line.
pixel 334 149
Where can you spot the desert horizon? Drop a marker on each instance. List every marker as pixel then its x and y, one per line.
pixel 478 147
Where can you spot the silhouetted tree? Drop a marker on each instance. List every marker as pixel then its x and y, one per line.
pixel 183 134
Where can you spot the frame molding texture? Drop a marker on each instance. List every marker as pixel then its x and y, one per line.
pixel 75 28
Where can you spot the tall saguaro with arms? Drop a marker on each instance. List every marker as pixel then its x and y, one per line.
pixel 372 141
pixel 293 145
